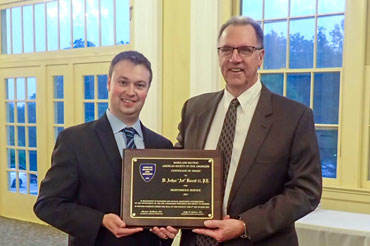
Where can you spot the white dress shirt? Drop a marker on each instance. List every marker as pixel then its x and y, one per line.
pixel 248 102
pixel 117 125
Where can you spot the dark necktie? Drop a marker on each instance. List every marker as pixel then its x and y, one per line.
pixel 130 133
pixel 226 140
pixel 225 145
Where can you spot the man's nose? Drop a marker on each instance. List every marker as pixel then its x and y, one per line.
pixel 235 56
pixel 130 89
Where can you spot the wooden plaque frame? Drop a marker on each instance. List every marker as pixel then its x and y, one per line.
pixel 179 188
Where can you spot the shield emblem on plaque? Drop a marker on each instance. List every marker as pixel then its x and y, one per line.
pixel 147 171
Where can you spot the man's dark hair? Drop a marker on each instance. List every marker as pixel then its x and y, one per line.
pixel 242 21
pixel 133 56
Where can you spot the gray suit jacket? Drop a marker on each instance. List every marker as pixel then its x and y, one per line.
pixel 278 179
pixel 84 183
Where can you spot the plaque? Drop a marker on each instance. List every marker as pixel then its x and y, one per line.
pixel 179 188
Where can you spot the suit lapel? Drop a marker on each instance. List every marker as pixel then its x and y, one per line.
pixel 258 130
pixel 149 140
pixel 105 134
pixel 205 120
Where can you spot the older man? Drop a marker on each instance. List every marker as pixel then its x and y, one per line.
pixel 272 171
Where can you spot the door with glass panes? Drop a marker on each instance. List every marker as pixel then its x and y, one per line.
pixel 21 122
pixel 37 104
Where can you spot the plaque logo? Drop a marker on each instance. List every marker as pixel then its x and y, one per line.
pixel 147 171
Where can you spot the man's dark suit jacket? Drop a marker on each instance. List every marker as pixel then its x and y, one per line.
pixel 278 178
pixel 84 183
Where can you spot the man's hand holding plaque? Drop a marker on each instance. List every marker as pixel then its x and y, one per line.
pixel 221 230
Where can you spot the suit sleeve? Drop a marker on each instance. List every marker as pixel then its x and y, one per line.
pixel 57 203
pixel 180 137
pixel 301 192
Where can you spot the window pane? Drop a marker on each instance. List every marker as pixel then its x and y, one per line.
pixel 28 28
pixel 52 25
pixel 21 159
pixel 327 140
pixel 78 24
pixel 302 7
pixel 12 181
pixel 21 136
pixel 20 113
pixel 33 160
pixel 89 112
pixel 122 22
pixel 89 87
pixel 23 182
pixel 11 158
pixel 10 89
pixel 32 137
pixel 40 27
pixel 33 184
pixel 330 35
pixel 92 23
pixel 8 37
pixel 331 6
pixel 107 22
pixel 65 24
pixel 17 30
pixel 298 87
pixel 31 88
pixel 252 9
pixel 21 89
pixel 275 45
pixel 274 82
pixel 10 112
pixel 276 9
pixel 31 112
pixel 5 34
pixel 57 131
pixel 326 97
pixel 102 107
pixel 10 134
pixel 59 113
pixel 102 86
pixel 58 87
pixel 302 34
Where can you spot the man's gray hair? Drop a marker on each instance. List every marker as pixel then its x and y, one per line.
pixel 242 21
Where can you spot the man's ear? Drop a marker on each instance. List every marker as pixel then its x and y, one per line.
pixel 108 83
pixel 261 55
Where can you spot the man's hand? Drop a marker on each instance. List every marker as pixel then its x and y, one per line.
pixel 222 230
pixel 117 226
pixel 165 232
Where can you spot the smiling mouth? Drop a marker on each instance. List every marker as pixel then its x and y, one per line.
pixel 236 70
pixel 127 101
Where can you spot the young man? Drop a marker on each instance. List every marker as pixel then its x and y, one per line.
pixel 81 192
pixel 270 154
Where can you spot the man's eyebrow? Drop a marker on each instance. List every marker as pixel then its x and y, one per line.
pixel 122 77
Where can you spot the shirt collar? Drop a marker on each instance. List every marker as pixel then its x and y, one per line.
pixel 245 98
pixel 117 125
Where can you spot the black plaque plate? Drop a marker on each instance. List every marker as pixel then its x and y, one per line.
pixel 180 188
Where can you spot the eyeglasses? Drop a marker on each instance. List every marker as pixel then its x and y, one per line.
pixel 242 50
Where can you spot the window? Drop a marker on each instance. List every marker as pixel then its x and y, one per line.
pixel 304 48
pixel 95 96
pixel 65 24
pixel 58 101
pixel 21 133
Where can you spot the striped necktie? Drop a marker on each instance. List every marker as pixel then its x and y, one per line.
pixel 130 133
